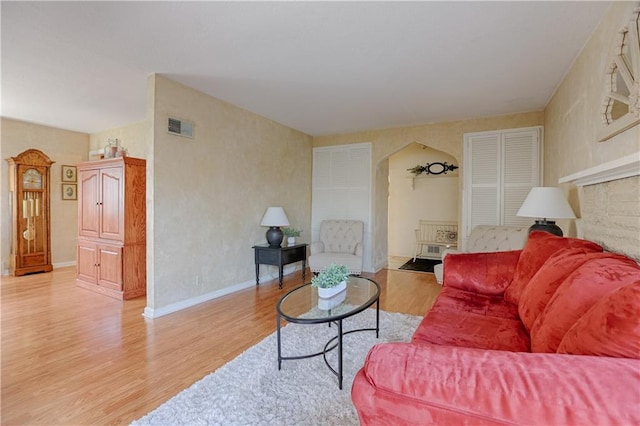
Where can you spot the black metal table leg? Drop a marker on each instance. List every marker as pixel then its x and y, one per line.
pixel 304 268
pixel 279 350
pixel 340 354
pixel 377 318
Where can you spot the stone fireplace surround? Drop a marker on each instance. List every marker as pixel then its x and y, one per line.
pixel 609 197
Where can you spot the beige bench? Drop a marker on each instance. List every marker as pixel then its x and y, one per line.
pixel 436 237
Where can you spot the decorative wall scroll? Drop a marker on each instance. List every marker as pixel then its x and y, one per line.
pixel 435 168
pixel 621 104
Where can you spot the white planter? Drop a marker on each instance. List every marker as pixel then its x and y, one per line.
pixel 325 293
pixel 291 241
pixel 332 302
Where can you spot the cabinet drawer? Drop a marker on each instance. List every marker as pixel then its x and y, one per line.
pixel 294 255
pixel 267 256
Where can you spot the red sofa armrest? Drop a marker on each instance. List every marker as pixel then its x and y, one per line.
pixel 484 273
pixel 404 383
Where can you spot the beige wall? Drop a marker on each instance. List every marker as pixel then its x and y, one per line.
pixel 572 121
pixel 132 137
pixel 65 148
pixel 572 117
pixel 207 195
pixel 446 137
pixel 432 197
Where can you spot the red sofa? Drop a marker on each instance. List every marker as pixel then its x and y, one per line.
pixel 546 335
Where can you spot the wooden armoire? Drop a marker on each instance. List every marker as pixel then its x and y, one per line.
pixel 112 227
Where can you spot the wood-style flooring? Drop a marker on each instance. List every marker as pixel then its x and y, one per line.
pixel 73 357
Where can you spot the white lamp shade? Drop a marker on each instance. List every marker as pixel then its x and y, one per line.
pixel 546 202
pixel 274 216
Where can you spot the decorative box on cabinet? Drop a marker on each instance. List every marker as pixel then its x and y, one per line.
pixel 111 249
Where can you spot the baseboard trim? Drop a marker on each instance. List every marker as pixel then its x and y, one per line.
pixel 152 313
pixel 64 264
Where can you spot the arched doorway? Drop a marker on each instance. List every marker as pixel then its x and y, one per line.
pixel 413 198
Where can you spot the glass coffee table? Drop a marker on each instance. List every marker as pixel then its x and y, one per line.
pixel 303 306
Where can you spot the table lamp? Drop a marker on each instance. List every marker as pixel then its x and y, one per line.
pixel 543 203
pixel 274 218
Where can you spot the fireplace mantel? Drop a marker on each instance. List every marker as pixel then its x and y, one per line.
pixel 618 169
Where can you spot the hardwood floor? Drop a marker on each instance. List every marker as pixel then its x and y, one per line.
pixel 73 357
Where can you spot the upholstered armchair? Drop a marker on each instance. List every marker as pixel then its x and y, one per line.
pixel 488 238
pixel 340 241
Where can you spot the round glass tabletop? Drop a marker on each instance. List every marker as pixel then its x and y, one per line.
pixel 302 304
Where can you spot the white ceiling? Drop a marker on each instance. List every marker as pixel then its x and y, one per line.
pixel 319 67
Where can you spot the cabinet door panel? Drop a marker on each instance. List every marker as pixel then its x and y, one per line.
pixel 88 200
pixel 87 261
pixel 110 271
pixel 111 181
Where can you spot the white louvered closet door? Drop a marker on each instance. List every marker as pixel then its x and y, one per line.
pixel 500 169
pixel 341 189
pixel 521 172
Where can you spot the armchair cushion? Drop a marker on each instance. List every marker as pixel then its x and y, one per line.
pixel 340 241
pixel 316 247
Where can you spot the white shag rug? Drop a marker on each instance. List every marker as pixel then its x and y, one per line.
pixel 250 390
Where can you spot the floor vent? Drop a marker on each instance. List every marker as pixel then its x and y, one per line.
pixel 180 127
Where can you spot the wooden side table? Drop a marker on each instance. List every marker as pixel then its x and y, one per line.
pixel 280 256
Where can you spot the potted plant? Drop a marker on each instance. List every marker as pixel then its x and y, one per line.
pixel 331 281
pixel 291 234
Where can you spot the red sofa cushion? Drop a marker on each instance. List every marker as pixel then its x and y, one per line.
pixel 610 328
pixel 460 328
pixel 482 273
pixel 539 247
pixel 546 281
pixel 577 294
pixel 453 299
pixel 405 384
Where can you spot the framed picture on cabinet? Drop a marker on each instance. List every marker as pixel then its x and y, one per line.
pixel 69 174
pixel 69 191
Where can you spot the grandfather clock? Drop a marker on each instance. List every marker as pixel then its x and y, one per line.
pixel 30 206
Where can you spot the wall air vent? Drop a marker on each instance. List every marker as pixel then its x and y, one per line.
pixel 180 127
pixel 434 249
